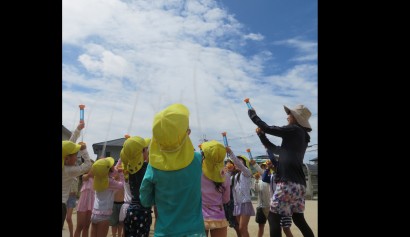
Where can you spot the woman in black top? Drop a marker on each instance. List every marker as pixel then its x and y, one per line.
pixel 288 199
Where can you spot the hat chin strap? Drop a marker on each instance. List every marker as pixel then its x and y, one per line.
pixel 176 149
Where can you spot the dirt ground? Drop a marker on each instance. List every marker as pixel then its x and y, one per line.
pixel 311 215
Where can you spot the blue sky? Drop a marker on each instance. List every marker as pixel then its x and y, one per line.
pixel 127 60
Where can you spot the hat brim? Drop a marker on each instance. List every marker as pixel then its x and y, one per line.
pixel 301 121
pixel 213 171
pixel 111 161
pixel 174 160
pixel 147 141
pixel 67 151
pixel 70 148
pixel 77 148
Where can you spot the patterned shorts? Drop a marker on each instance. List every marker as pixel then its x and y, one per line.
pixel 286 221
pixel 288 198
pixel 137 221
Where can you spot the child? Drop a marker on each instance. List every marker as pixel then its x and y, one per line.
pixel 230 172
pixel 85 205
pixel 243 208
pixel 215 189
pixel 138 219
pixel 173 178
pixel 70 151
pixel 115 223
pixel 71 202
pixel 262 188
pixel 127 198
pixel 105 188
pixel 154 208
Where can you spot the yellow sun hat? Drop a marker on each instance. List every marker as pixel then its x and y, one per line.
pixel 131 154
pixel 267 162
pixel 213 163
pixel 69 148
pixel 171 148
pixel 147 141
pixel 246 161
pixel 100 170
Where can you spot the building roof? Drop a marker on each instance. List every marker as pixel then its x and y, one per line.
pixel 113 143
pixel 66 131
pixel 116 142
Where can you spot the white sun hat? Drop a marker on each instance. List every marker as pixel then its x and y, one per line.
pixel 301 114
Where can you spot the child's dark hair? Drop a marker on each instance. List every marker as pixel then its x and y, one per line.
pixel 244 163
pixel 219 187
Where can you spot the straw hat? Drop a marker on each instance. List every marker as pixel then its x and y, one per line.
pixel 301 114
pixel 171 148
pixel 100 170
pixel 69 148
pixel 131 154
pixel 213 163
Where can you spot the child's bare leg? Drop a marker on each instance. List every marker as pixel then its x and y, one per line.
pixel 70 221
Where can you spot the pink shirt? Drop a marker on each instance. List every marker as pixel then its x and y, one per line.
pixel 212 200
pixel 87 184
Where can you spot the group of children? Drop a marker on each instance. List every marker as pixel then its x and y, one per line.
pixel 192 192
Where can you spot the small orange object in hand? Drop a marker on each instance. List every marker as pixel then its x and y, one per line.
pixel 229 166
pixel 257 175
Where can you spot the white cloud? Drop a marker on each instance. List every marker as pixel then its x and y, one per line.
pixel 100 61
pixel 256 37
pixel 307 50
